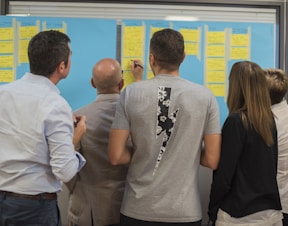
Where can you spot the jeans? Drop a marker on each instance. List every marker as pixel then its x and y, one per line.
pixel 16 211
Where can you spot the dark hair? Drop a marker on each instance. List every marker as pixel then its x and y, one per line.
pixel 167 46
pixel 277 84
pixel 46 50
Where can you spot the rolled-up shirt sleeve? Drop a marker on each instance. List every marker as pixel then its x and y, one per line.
pixel 64 160
pixel 82 161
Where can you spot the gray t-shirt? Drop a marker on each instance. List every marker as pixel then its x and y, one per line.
pixel 167 117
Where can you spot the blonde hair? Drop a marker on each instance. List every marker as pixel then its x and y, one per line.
pixel 277 84
pixel 249 95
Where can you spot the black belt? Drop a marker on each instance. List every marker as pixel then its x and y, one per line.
pixel 47 196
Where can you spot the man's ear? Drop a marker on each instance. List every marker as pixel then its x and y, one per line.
pixel 184 55
pixel 92 83
pixel 151 59
pixel 121 84
pixel 61 67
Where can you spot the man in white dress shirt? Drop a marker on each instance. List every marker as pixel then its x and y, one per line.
pixel 37 136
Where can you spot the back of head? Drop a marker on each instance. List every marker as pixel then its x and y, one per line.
pixel 46 51
pixel 107 76
pixel 277 84
pixel 248 94
pixel 167 46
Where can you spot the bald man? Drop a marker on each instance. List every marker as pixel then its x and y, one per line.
pixel 96 192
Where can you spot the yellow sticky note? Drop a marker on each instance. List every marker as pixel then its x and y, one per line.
pixel 7 47
pixel 217 89
pixel 133 33
pixel 6 33
pixel 215 64
pixel 191 48
pixel 239 53
pixel 27 32
pixel 128 78
pixel 240 40
pixel 126 63
pixel 215 50
pixel 215 37
pixel 215 77
pixel 23 51
pixel 6 61
pixel 7 75
pixel 133 49
pixel 190 35
pixel 133 44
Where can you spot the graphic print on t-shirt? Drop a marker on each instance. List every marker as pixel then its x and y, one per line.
pixel 165 121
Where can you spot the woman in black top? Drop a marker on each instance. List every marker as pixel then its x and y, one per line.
pixel 244 188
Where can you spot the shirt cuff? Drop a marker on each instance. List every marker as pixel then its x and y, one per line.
pixel 82 161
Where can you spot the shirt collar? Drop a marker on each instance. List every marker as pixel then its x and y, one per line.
pixel 40 79
pixel 110 96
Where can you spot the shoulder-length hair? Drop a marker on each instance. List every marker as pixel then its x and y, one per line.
pixel 248 94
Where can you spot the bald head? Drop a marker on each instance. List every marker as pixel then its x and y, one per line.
pixel 107 76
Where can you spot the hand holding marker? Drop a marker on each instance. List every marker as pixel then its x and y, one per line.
pixel 136 64
pixel 76 120
pixel 137 69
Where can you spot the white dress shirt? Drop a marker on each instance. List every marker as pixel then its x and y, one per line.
pixel 36 137
pixel 281 118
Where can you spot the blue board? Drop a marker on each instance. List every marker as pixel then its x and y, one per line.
pixel 91 40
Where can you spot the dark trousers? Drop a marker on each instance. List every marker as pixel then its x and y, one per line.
pixel 285 219
pixel 16 211
pixel 107 225
pixel 127 221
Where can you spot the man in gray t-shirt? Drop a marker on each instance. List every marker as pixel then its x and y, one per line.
pixel 174 126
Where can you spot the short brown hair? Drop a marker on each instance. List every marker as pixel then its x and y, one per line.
pixel 167 46
pixel 277 84
pixel 46 50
